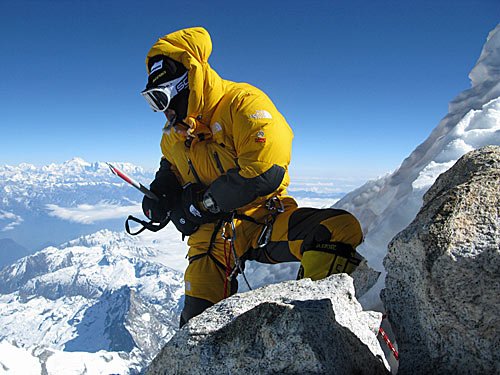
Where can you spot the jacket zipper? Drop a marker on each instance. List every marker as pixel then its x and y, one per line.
pixel 218 162
pixel 195 174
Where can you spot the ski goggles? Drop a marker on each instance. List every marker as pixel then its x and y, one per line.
pixel 159 97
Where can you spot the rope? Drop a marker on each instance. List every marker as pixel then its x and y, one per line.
pixel 388 341
pixel 227 258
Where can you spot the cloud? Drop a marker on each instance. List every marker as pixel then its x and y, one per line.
pixel 316 202
pixel 324 186
pixel 15 220
pixel 89 214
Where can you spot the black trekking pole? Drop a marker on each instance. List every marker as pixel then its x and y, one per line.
pixel 144 190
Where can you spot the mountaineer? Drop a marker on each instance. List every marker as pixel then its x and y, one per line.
pixel 223 178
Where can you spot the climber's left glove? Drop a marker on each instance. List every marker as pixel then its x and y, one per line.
pixel 198 206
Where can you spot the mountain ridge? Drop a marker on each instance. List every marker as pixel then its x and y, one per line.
pixel 98 292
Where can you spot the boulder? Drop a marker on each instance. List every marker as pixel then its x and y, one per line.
pixel 443 273
pixel 364 278
pixel 295 327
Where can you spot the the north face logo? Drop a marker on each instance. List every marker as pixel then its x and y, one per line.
pixel 194 211
pixel 261 114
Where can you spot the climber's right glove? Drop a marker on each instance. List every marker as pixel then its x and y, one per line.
pixel 156 211
pixel 167 188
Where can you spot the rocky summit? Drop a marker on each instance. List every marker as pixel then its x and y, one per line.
pixel 443 273
pixel 296 327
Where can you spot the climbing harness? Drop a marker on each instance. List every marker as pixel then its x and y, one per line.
pixel 275 206
pixel 228 234
pixel 227 229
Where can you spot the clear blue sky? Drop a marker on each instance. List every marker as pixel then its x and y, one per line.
pixel 362 83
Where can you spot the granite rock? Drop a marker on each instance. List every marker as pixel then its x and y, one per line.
pixel 295 327
pixel 443 273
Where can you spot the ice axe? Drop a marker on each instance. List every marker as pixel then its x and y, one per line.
pixel 148 193
pixel 143 189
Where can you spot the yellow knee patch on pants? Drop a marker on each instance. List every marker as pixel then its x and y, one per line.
pixel 319 264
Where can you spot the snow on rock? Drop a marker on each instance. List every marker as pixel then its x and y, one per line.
pixel 295 327
pixel 386 206
pixel 38 360
pixel 487 67
pixel 443 273
pixel 14 360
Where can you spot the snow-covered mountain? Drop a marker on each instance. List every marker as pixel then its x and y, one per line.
pixel 38 360
pixel 106 292
pixel 388 205
pixel 58 202
pixel 45 206
pixel 10 251
pixel 28 186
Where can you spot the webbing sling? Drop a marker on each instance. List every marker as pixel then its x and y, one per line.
pixel 274 205
pixel 210 248
pixel 145 225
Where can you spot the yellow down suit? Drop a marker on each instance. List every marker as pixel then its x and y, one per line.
pixel 240 150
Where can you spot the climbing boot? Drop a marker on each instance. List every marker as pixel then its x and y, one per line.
pixel 325 259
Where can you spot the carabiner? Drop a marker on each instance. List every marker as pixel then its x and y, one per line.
pixel 265 234
pixel 275 204
pixel 232 237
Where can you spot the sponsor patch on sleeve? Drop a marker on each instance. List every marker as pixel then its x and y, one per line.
pixel 260 114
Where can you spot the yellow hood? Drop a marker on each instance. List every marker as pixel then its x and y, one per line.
pixel 192 47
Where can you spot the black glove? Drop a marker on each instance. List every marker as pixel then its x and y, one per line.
pixel 167 188
pixel 195 211
pixel 155 211
pixel 181 222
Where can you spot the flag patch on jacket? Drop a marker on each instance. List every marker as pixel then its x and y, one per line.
pixel 260 138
